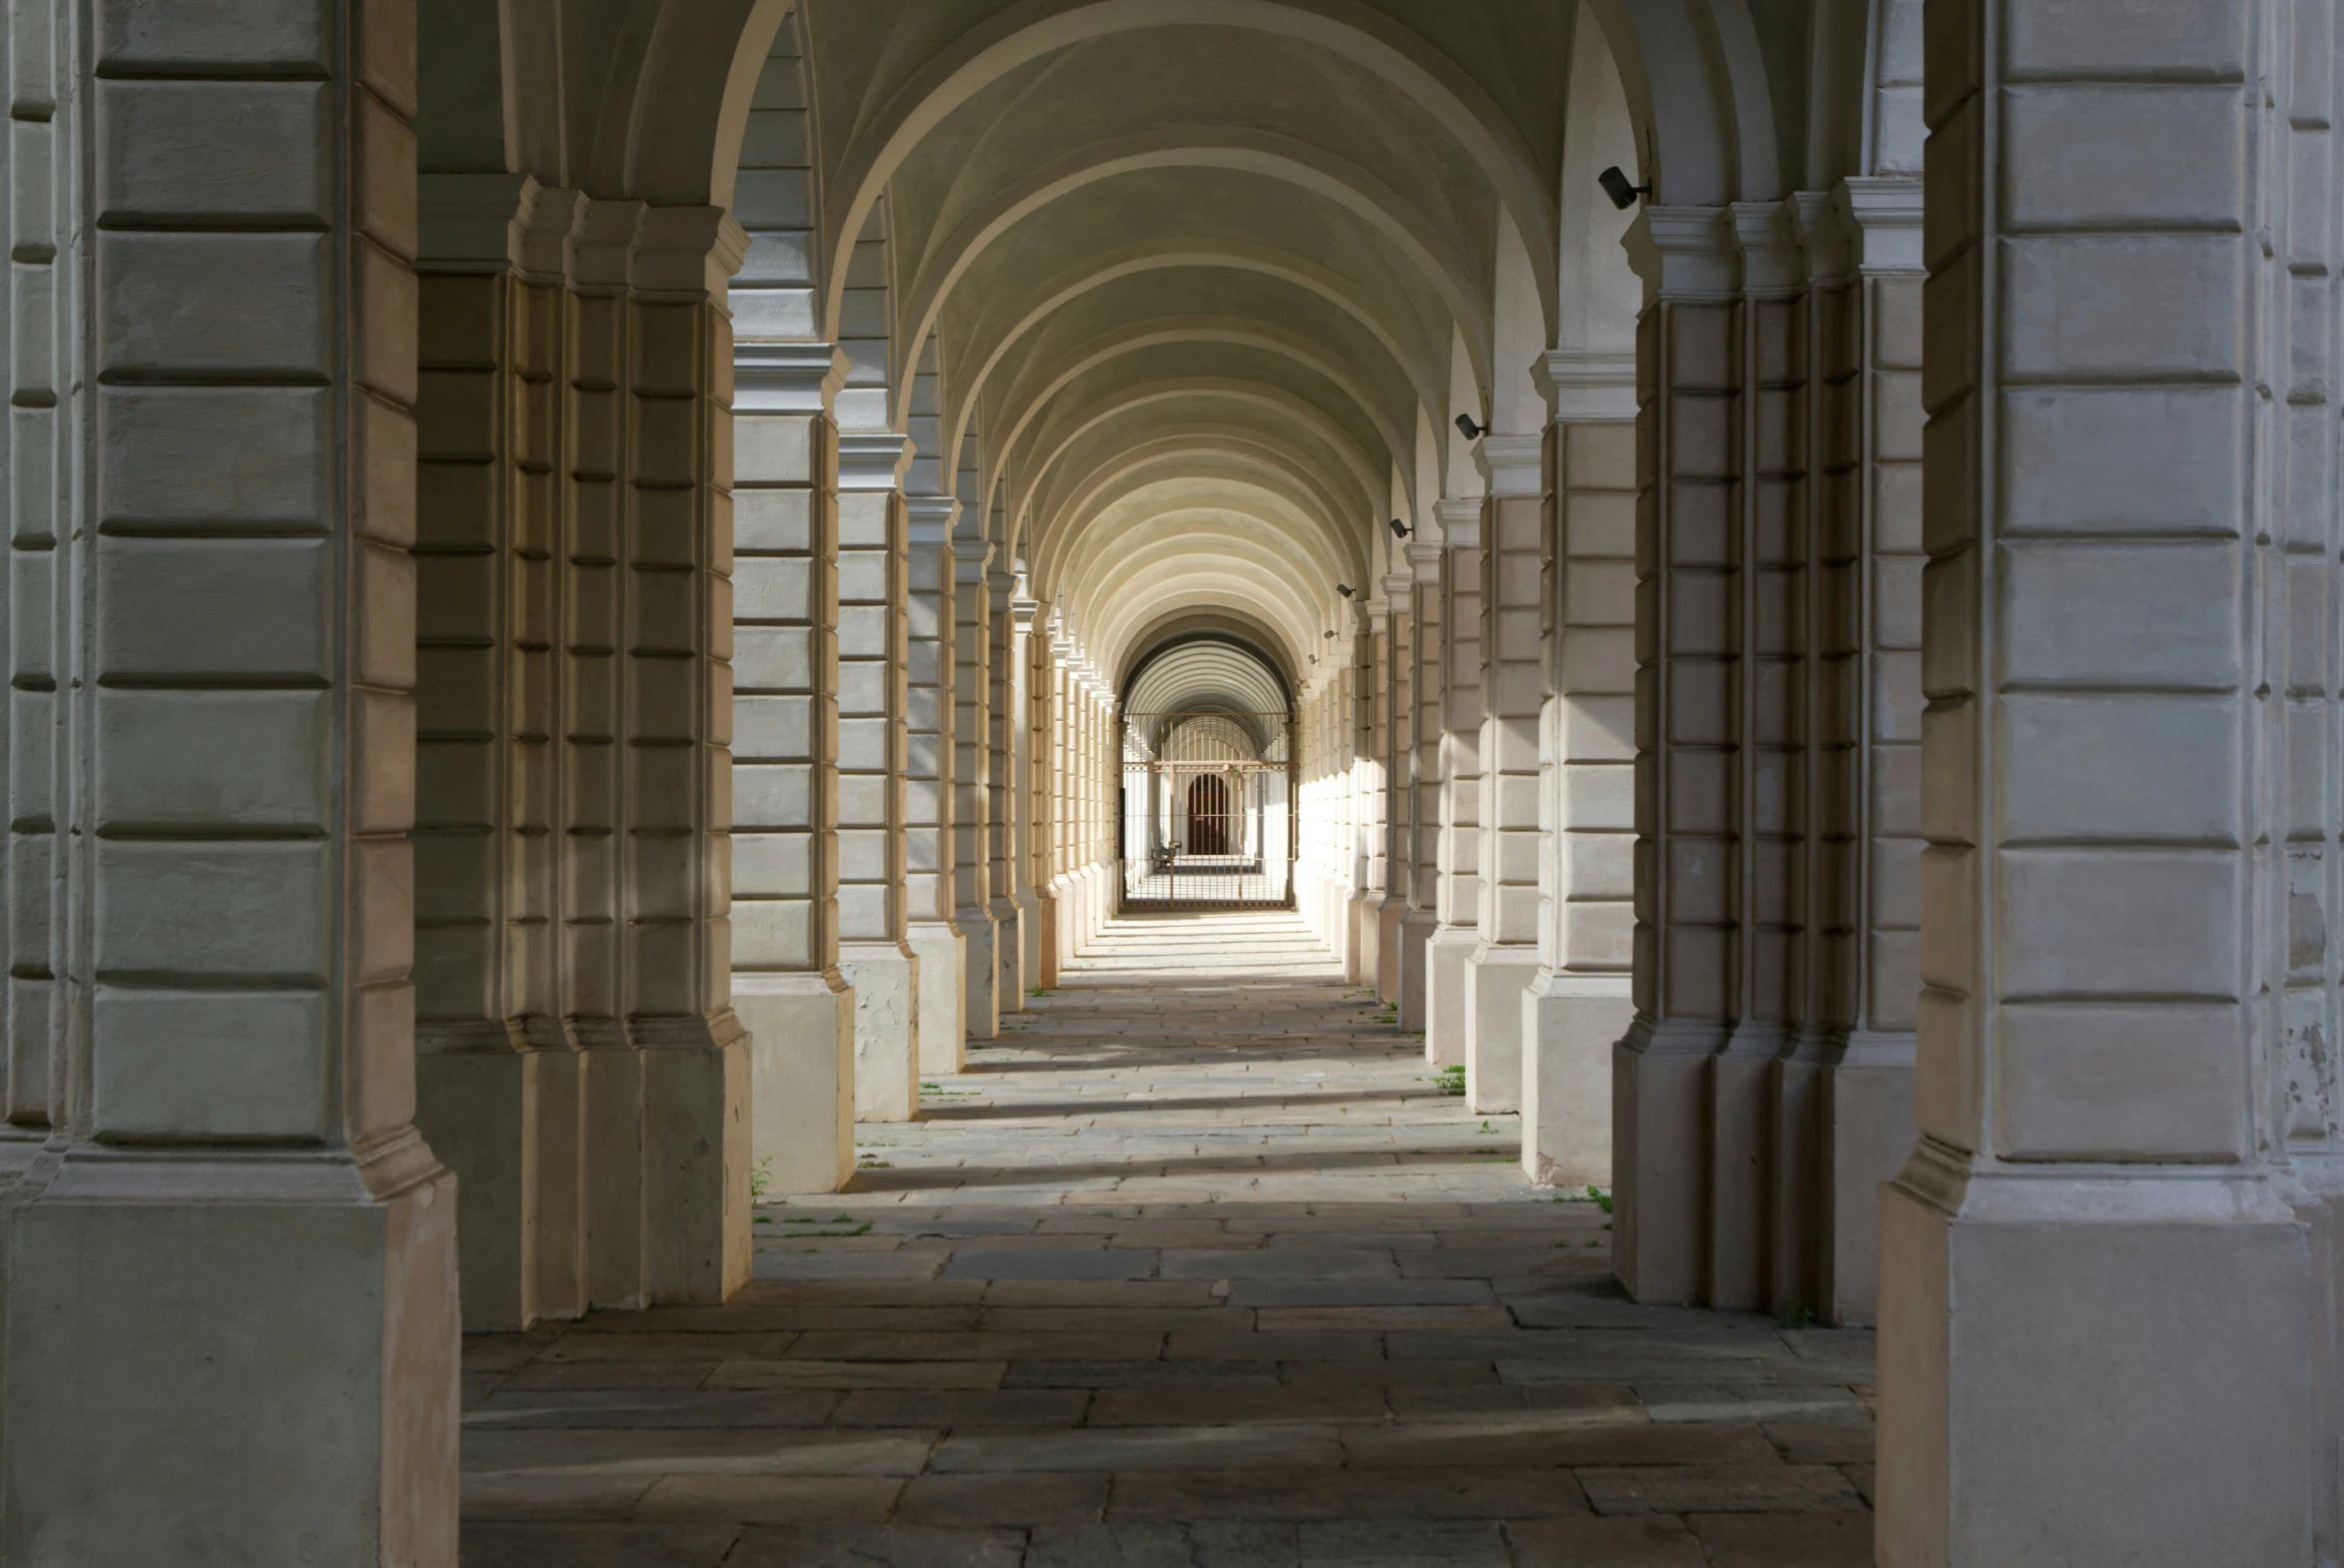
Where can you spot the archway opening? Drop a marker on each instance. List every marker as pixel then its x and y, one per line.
pixel 1207 795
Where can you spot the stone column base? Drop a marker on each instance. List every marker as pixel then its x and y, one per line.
pixel 1359 930
pixel 942 955
pixel 1445 957
pixel 1495 977
pixel 1044 930
pixel 1734 1216
pixel 1570 1022
pixel 1866 1116
pixel 802 1078
pixel 1009 958
pixel 885 981
pixel 696 1171
pixel 1416 937
pixel 1660 1074
pixel 1031 942
pixel 2094 1366
pixel 307 1306
pixel 1066 925
pixel 478 1101
pixel 558 1152
pixel 980 976
pixel 615 1165
pixel 1389 915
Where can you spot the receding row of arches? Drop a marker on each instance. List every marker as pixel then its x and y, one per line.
pixel 853 451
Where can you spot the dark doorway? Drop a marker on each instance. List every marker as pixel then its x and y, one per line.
pixel 1208 816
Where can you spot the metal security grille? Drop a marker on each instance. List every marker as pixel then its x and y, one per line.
pixel 1208 810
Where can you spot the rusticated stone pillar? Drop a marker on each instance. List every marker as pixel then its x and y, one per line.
pixel 678 802
pixel 1053 741
pixel 1765 656
pixel 1841 1101
pixel 787 986
pixel 2098 1242
pixel 929 930
pixel 1505 952
pixel 971 788
pixel 1577 1007
pixel 1035 784
pixel 1354 795
pixel 1458 907
pixel 235 1231
pixel 595 743
pixel 1689 442
pixel 483 1075
pixel 1425 733
pixel 1366 716
pixel 873 696
pixel 1396 725
pixel 40 356
pixel 1002 714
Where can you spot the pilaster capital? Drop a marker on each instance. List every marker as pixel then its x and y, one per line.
pixel 1773 257
pixel 472 223
pixel 872 460
pixel 550 233
pixel 1398 586
pixel 1685 253
pixel 1460 521
pixel 1023 611
pixel 1822 231
pixel 1883 218
pixel 1583 385
pixel 688 253
pixel 1424 561
pixel 603 256
pixel 786 378
pixel 932 518
pixel 1512 466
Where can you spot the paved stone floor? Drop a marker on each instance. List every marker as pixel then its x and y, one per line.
pixel 1198 1266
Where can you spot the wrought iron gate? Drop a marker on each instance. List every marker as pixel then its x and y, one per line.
pixel 1208 810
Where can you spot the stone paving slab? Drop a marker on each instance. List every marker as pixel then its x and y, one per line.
pixel 1185 1274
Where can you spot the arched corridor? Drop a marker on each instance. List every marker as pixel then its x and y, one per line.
pixel 1197 1264
pixel 631 620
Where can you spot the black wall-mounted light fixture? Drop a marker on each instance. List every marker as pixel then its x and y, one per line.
pixel 1615 184
pixel 1401 530
pixel 1330 634
pixel 1473 427
pixel 1345 589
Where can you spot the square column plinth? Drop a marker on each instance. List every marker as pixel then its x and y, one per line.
pixel 259 1358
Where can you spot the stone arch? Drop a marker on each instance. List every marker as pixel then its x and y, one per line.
pixel 776 197
pixel 1864 99
pixel 1351 460
pixel 1696 85
pixel 1134 261
pixel 672 133
pixel 1023 410
pixel 1219 452
pixel 1347 28
pixel 1387 210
